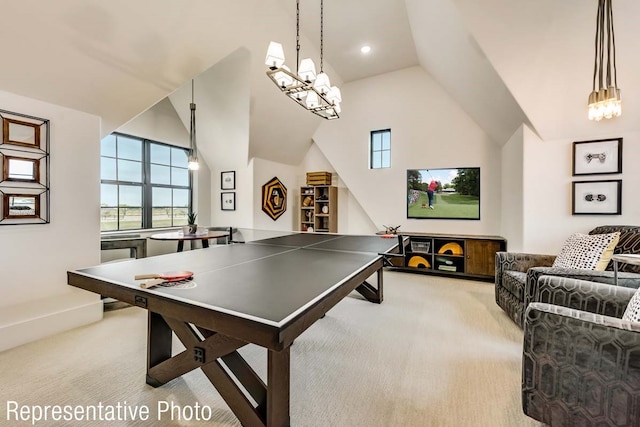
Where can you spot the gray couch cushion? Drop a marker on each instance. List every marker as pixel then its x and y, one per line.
pixel 629 243
pixel 514 282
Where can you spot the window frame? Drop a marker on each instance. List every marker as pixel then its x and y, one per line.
pixel 373 153
pixel 145 184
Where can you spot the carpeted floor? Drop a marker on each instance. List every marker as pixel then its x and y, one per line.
pixel 436 352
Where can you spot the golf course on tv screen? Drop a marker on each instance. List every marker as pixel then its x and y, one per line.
pixel 443 193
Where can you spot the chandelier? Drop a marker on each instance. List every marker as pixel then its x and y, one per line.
pixel 312 92
pixel 193 147
pixel 605 101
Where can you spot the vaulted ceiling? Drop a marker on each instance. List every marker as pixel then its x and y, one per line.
pixel 506 62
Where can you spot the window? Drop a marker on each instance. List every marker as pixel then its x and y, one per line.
pixel 144 184
pixel 380 152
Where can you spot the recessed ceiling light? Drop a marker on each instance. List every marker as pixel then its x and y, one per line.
pixel 365 49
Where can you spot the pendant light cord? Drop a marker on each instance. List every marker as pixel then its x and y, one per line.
pixel 321 35
pixel 297 35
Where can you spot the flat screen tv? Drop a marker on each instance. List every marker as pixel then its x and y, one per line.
pixel 443 193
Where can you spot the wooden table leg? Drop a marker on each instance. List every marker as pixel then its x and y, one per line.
pixel 205 243
pixel 159 337
pixel 370 292
pixel 278 387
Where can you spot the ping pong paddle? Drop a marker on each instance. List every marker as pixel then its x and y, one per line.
pixel 170 276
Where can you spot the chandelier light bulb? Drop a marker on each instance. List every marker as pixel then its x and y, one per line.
pixel 193 163
pixel 284 80
pixel 307 70
pixel 335 97
pixel 312 100
pixel 299 96
pixel 275 56
pixel 322 83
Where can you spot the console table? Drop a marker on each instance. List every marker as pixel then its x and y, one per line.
pixel 457 255
pixel 137 245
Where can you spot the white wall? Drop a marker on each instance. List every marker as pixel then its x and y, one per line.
pixel 428 130
pixel 34 259
pixel 222 97
pixel 263 172
pixel 159 123
pixel 352 218
pixel 547 191
pixel 512 209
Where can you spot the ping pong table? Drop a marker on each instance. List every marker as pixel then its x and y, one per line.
pixel 266 292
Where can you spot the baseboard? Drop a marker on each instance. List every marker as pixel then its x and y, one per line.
pixel 38 319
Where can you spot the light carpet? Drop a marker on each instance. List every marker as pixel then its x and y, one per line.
pixel 436 352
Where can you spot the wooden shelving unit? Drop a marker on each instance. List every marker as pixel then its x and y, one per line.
pixel 463 256
pixel 319 208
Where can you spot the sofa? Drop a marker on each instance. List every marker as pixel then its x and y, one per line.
pixel 517 274
pixel 581 361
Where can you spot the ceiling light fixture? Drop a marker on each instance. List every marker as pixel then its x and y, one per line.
pixel 605 101
pixel 365 49
pixel 193 147
pixel 312 92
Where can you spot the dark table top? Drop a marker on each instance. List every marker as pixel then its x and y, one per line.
pixel 269 281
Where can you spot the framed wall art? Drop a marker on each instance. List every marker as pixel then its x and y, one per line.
pixel 24 169
pixel 228 201
pixel 601 156
pixel 597 197
pixel 274 198
pixel 228 180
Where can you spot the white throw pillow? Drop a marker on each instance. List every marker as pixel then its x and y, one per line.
pixel 586 250
pixel 632 312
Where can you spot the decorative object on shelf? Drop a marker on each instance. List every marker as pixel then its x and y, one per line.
pixel 605 101
pixel 191 222
pixel 228 201
pixel 318 178
pixel 597 197
pixel 24 169
pixel 420 246
pixel 274 198
pixel 228 180
pixel 451 248
pixel 391 230
pixel 193 147
pixel 325 209
pixel 310 91
pixel 417 261
pixel 597 157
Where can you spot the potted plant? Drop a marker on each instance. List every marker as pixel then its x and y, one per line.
pixel 191 221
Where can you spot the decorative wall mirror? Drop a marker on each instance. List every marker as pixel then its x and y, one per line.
pixel 24 169
pixel 20 169
pixel 21 206
pixel 22 133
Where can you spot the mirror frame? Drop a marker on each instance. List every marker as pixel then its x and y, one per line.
pixel 6 172
pixel 6 211
pixel 6 137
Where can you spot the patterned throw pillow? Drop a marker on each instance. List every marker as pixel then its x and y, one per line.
pixel 587 251
pixel 632 312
